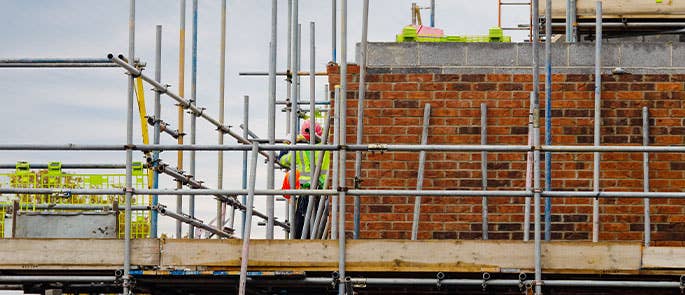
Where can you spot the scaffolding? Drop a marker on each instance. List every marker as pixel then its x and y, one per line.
pixel 129 191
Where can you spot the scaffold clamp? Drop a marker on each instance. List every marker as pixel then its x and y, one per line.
pixel 486 277
pixel 439 277
pixel 378 147
pixel 335 276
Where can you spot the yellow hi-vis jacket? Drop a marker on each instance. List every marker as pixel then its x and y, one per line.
pixel 303 165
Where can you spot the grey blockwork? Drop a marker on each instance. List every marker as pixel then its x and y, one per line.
pixel 644 57
pixel 441 54
pixel 66 225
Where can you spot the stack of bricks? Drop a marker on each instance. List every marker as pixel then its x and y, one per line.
pixel 394 105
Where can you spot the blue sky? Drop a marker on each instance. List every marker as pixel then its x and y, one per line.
pixel 88 105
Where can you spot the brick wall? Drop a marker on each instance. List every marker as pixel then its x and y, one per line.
pixel 393 114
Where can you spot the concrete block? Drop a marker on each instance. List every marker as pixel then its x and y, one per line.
pixel 678 58
pixel 645 55
pixel 490 54
pixel 442 54
pixel 583 54
pixel 391 54
pixel 559 55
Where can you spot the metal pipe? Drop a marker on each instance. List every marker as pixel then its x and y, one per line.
pixel 59 279
pixel 30 60
pixel 157 115
pixel 194 221
pixel 246 122
pixel 301 73
pixel 334 39
pixel 58 65
pixel 433 13
pixel 529 171
pixel 220 206
pixel 352 147
pixel 343 141
pixel 336 162
pixel 360 117
pixel 422 166
pixel 432 193
pixel 284 102
pixel 626 24
pixel 193 119
pixel 548 116
pixel 484 167
pixel 85 207
pixel 568 24
pixel 645 171
pixel 181 93
pixel 317 173
pixel 163 127
pixel 574 25
pixel 271 124
pixel 598 110
pixel 536 153
pixel 129 152
pixel 74 166
pixel 293 110
pixel 289 71
pixel 312 132
pixel 245 253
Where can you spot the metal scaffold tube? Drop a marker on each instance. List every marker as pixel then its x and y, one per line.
pixel 294 113
pixel 360 116
pixel 193 119
pixel 334 34
pixel 220 206
pixel 645 171
pixel 248 227
pixel 157 126
pixel 536 153
pixel 598 117
pixel 548 117
pixel 181 93
pixel 484 167
pixel 336 162
pixel 195 222
pixel 312 132
pixel 319 219
pixel 529 170
pixel 246 122
pixel 129 152
pixel 420 173
pixel 342 166
pixel 271 119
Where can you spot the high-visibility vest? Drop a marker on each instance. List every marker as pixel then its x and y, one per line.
pixel 303 166
pixel 286 183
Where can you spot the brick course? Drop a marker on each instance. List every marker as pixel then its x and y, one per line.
pixel 394 113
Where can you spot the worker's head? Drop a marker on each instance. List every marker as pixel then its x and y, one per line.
pixel 306 129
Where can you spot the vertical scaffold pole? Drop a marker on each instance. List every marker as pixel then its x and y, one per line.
pixel 419 178
pixel 245 254
pixel 312 130
pixel 129 151
pixel 645 171
pixel 246 123
pixel 193 118
pixel 433 13
pixel 334 32
pixel 220 206
pixel 529 170
pixel 537 189
pixel 181 117
pixel 293 113
pixel 289 81
pixel 548 117
pixel 484 166
pixel 572 10
pixel 360 117
pixel 343 141
pixel 155 140
pixel 336 162
pixel 598 117
pixel 271 125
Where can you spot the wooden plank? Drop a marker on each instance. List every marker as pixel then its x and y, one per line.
pixel 663 258
pixel 403 255
pixel 606 256
pixel 75 253
pixel 619 9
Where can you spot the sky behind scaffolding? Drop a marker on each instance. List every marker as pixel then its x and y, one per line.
pixel 88 105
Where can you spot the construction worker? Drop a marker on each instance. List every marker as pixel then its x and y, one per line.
pixel 304 173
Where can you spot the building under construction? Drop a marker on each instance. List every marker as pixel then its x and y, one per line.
pixel 458 164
